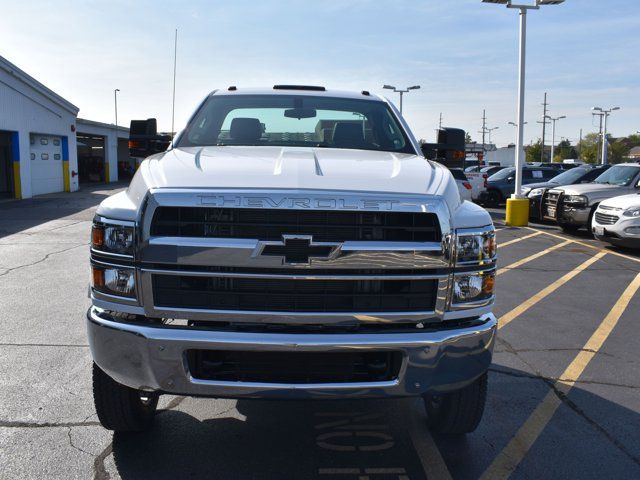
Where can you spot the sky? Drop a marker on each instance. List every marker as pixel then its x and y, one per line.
pixel 463 54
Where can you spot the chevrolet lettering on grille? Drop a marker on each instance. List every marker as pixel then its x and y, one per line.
pixel 298 249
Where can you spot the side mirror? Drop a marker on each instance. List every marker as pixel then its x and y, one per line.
pixel 144 139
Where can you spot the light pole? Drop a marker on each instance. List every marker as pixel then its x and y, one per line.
pixel 400 91
pixel 489 130
pixel 514 124
pixel 553 134
pixel 605 144
pixel 115 101
pixel 519 215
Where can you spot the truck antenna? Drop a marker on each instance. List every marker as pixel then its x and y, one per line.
pixel 173 103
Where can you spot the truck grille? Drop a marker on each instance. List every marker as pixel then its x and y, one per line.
pixel 271 224
pixel 284 295
pixel 605 219
pixel 294 367
pixel 551 204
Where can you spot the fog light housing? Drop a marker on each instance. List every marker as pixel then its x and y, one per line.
pixel 114 281
pixel 632 230
pixel 473 287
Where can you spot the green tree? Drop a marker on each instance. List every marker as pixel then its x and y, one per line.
pixel 564 150
pixel 533 151
pixel 618 151
pixel 588 148
pixel 467 138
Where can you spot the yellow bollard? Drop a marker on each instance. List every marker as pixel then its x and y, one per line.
pixel 517 212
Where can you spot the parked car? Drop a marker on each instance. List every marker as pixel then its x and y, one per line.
pixel 572 207
pixel 617 221
pixel 464 187
pixel 501 185
pixel 535 191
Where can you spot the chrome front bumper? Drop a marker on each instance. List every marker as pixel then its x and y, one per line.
pixel 154 358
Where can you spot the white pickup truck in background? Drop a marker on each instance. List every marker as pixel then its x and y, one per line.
pixel 477 176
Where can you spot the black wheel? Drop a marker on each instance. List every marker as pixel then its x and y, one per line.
pixel 459 412
pixel 494 199
pixel 119 407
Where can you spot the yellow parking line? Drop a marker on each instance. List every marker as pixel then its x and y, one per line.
pixel 530 302
pixel 532 257
pixel 430 457
pixel 526 237
pixel 511 456
pixel 593 247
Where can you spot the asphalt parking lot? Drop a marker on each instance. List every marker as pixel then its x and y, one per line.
pixel 563 399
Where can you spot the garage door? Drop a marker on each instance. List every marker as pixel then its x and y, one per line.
pixel 46 164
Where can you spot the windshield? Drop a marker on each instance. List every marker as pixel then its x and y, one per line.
pixel 569 177
pixel 619 175
pixel 295 120
pixel 502 174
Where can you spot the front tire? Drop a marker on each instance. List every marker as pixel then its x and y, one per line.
pixel 120 408
pixel 459 412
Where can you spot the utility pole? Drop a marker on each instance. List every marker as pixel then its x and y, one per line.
pixel 484 128
pixel 440 123
pixel 580 146
pixel 544 125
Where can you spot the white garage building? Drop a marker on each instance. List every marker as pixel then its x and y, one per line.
pixel 40 149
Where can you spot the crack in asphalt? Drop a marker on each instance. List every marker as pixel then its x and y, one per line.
pixel 535 350
pixel 45 258
pixel 21 424
pixel 551 383
pixel 75 446
pixel 61 345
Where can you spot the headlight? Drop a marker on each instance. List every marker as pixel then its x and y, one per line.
pixel 475 247
pixel 114 281
pixel 473 287
pixel 525 190
pixel 112 238
pixel 536 192
pixel 632 212
pixel 576 200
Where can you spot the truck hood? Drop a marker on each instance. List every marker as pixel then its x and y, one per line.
pixel 294 168
pixel 623 202
pixel 594 191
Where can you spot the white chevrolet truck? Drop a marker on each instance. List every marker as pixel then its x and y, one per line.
pixel 293 243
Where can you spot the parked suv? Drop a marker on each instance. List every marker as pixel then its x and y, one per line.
pixel 572 207
pixel 535 191
pixel 293 243
pixel 617 221
pixel 502 184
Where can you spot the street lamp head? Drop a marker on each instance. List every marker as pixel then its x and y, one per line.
pixel 596 109
pixel 117 90
pixel 501 2
pixel 549 2
pixel 560 118
pixel 389 87
pixel 615 108
pixel 415 87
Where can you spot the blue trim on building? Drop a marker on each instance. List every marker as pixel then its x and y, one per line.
pixel 65 148
pixel 15 146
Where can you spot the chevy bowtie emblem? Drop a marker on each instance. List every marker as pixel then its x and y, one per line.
pixel 297 249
